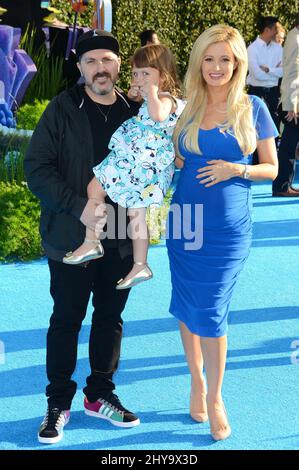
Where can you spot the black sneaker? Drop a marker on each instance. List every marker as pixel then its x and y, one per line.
pixel 112 410
pixel 51 429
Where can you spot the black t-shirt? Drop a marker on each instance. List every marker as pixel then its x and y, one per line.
pixel 102 131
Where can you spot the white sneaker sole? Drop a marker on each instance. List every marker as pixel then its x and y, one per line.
pixel 131 424
pixel 49 440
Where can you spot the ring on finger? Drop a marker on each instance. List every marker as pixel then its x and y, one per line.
pixel 212 178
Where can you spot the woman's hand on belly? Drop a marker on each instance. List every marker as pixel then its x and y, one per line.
pixel 217 171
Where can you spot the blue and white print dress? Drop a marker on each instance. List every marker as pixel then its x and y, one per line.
pixel 139 169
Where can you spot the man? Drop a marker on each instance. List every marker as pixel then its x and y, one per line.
pixel 265 65
pixel 148 37
pixel 282 185
pixel 71 137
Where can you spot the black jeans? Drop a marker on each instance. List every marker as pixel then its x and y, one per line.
pixel 71 287
pixel 286 156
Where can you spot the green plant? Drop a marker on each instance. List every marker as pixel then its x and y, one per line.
pixel 156 219
pixel 14 142
pixel 130 17
pixel 13 139
pixel 11 165
pixel 180 22
pixel 28 115
pixel 48 80
pixel 19 220
pixel 67 14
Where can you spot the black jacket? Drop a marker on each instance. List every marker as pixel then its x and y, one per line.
pixel 58 167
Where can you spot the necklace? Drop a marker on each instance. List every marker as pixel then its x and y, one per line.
pixel 105 116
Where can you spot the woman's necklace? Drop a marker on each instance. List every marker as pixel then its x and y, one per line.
pixel 105 116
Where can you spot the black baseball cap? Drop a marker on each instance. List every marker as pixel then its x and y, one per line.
pixel 96 39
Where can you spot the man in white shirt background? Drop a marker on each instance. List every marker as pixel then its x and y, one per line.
pixel 265 65
pixel 282 185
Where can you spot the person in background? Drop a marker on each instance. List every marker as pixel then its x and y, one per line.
pixel 279 39
pixel 283 184
pixel 265 65
pixel 280 35
pixel 149 36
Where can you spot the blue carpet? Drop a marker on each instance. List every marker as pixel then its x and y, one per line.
pixel 261 381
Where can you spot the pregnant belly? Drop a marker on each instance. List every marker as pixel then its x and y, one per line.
pixel 225 205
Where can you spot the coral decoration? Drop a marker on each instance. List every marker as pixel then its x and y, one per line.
pixel 79 6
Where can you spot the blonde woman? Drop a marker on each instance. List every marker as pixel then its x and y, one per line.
pixel 280 35
pixel 215 138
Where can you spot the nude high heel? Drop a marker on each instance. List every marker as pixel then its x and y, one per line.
pixel 221 434
pixel 197 413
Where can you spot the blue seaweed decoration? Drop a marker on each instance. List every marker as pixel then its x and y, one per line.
pixel 16 72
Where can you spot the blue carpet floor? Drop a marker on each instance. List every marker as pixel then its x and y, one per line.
pixel 261 381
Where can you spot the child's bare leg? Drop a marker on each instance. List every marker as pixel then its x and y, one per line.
pixel 139 234
pixel 94 191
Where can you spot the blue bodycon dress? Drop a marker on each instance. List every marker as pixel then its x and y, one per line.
pixel 209 230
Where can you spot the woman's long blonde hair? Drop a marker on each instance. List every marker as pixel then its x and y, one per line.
pixel 239 107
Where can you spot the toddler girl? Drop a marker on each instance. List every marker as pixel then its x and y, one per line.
pixel 139 169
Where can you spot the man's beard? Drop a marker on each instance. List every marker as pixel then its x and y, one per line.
pixel 98 90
